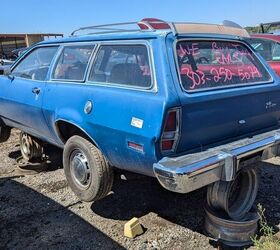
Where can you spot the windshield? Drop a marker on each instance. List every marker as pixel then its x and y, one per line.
pixel 217 64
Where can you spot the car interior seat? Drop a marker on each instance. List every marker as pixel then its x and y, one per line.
pixel 76 72
pixel 127 73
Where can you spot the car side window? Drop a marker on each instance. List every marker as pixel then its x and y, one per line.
pixel 36 64
pixel 123 65
pixel 276 52
pixel 72 63
pixel 269 50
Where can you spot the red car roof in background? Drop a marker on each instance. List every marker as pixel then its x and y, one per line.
pixel 272 37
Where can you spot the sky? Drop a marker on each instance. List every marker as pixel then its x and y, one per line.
pixel 63 16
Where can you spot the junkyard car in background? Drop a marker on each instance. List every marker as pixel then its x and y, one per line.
pixel 18 52
pixel 190 104
pixel 268 45
pixel 5 64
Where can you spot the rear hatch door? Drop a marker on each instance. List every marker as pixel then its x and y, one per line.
pixel 226 92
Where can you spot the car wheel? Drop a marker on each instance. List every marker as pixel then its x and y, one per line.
pixel 87 171
pixel 30 147
pixel 236 197
pixel 232 233
pixel 5 133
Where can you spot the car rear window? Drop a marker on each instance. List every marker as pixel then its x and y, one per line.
pixel 217 64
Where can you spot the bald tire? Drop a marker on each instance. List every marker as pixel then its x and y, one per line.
pixel 101 173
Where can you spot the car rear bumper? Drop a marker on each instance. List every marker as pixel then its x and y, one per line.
pixel 186 173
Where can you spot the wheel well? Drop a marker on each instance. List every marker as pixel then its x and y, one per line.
pixel 2 123
pixel 67 129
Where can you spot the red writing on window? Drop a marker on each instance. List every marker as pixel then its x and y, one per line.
pixel 251 73
pixel 197 77
pixel 190 49
pixel 230 54
pixel 223 63
pixel 219 75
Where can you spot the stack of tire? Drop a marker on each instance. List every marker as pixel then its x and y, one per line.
pixel 230 215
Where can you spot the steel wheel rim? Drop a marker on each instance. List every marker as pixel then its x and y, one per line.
pixel 244 199
pixel 231 232
pixel 221 194
pixel 79 169
pixel 25 146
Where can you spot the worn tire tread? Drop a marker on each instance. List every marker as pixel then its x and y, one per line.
pixel 103 169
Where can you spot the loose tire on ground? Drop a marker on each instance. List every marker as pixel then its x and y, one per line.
pixel 5 133
pixel 231 232
pixel 88 173
pixel 30 147
pixel 236 197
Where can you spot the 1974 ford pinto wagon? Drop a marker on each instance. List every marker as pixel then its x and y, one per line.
pixel 190 104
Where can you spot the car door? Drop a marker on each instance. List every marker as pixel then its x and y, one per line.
pixel 22 91
pixel 66 93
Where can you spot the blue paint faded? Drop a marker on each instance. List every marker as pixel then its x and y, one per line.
pixel 207 117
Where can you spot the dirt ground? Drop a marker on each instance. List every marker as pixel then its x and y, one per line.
pixel 41 212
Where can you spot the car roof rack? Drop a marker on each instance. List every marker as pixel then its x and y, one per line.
pixel 146 24
pixel 152 24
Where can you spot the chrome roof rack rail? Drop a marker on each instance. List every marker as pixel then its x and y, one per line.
pixel 152 24
pixel 146 24
pixel 105 27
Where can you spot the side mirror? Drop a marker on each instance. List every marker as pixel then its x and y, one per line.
pixel 2 71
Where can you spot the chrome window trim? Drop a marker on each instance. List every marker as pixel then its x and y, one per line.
pixel 151 88
pixel 61 49
pixel 30 50
pixel 271 80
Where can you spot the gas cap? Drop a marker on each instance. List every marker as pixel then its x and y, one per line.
pixel 88 107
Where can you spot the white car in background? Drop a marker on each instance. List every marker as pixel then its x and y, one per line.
pixel 5 64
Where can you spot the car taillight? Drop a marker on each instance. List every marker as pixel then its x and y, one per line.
pixel 171 131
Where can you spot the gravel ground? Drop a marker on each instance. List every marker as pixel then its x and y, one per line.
pixel 40 211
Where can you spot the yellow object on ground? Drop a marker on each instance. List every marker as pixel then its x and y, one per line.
pixel 133 228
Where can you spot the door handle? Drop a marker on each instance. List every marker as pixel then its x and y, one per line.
pixel 36 90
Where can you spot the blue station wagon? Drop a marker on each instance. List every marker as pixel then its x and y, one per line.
pixel 190 104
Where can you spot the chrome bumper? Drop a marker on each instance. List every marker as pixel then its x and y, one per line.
pixel 186 173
